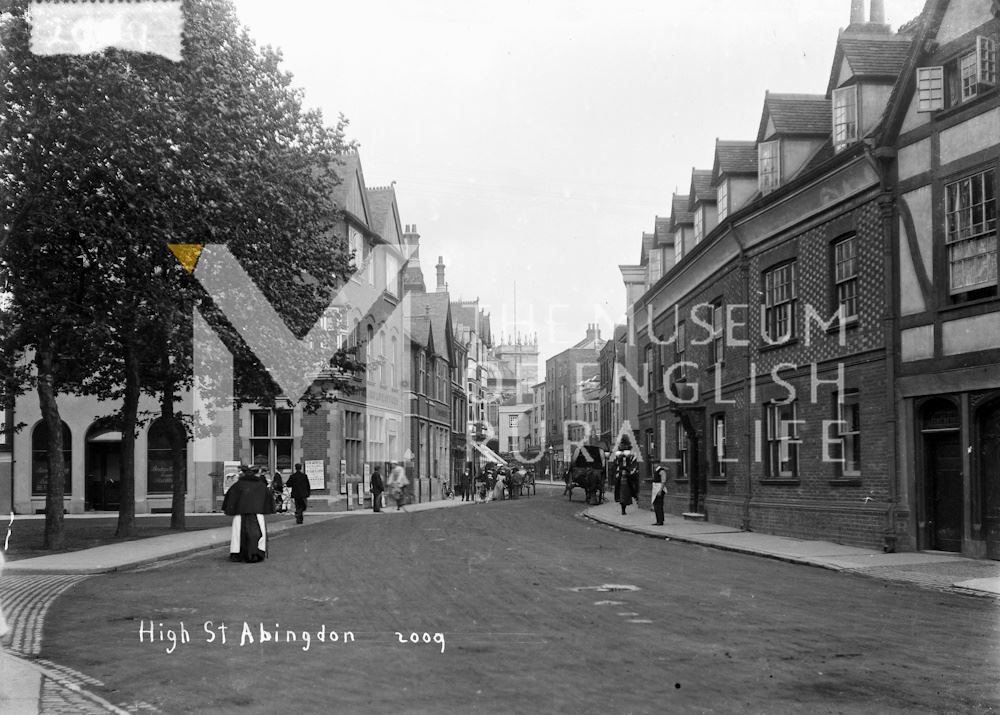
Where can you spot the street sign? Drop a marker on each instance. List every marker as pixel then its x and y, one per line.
pixel 72 28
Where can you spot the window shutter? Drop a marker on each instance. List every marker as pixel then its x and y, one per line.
pixel 930 89
pixel 986 65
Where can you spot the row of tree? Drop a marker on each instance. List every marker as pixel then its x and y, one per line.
pixel 109 158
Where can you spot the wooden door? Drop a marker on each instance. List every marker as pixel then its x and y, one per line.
pixel 944 490
pixel 989 477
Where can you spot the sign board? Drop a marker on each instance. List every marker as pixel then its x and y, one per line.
pixel 315 470
pixel 64 28
pixel 230 473
pixel 343 476
pixel 366 477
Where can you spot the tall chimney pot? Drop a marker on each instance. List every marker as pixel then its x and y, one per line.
pixel 857 12
pixel 877 15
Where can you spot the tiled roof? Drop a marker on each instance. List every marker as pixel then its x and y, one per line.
pixel 348 168
pixel 662 231
pixel 420 328
pixel 795 114
pixel 701 187
pixel 679 213
pixel 870 55
pixel 435 307
pixel 380 201
pixel 734 157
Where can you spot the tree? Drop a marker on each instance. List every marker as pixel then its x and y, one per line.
pixel 111 157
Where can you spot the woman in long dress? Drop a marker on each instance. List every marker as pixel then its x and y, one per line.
pixel 247 501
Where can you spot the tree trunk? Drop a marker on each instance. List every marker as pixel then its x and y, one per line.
pixel 55 537
pixel 177 441
pixel 130 410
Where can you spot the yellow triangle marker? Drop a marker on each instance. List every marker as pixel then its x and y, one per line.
pixel 187 253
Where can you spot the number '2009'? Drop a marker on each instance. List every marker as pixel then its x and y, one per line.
pixel 426 638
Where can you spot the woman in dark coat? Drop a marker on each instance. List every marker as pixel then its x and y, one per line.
pixel 626 478
pixel 376 489
pixel 247 501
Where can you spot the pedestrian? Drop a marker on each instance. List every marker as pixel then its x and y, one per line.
pixel 278 487
pixel 397 484
pixel 247 501
pixel 466 486
pixel 377 489
pixel 626 478
pixel 659 492
pixel 298 484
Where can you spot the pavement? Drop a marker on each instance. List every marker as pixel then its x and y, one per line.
pixel 34 686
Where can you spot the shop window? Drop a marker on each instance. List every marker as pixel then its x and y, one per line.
pixel 159 458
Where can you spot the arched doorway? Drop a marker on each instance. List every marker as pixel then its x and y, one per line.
pixel 104 464
pixel 40 459
pixel 159 459
pixel 940 428
pixel 988 429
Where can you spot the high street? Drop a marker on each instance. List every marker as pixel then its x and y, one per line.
pixel 535 609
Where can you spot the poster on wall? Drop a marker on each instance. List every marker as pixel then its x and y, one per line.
pixel 230 473
pixel 316 473
pixel 343 476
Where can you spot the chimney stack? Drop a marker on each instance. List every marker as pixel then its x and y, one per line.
pixel 857 12
pixel 877 15
pixel 441 285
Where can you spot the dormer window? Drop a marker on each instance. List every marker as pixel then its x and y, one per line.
pixel 699 225
pixel 845 116
pixel 768 166
pixel 722 196
pixel 959 80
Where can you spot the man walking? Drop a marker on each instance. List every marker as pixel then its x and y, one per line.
pixel 298 483
pixel 376 490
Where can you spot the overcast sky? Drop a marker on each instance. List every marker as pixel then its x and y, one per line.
pixel 534 141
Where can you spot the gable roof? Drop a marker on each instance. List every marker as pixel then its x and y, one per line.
pixel 869 55
pixel 795 114
pixel 701 188
pixel 679 213
pixel 661 230
pixel 734 157
pixel 435 308
pixel 384 213
pixel 350 194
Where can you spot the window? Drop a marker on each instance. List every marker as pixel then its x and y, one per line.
pixel 376 439
pixel 370 367
pixel 421 373
pixel 722 196
pixel 159 457
pixel 271 439
pixel 683 466
pixel 512 421
pixel 768 166
pixel 356 245
pixel 930 89
pixel 718 446
pixel 392 274
pixel 779 303
pixel 381 359
pixel 781 432
pixel 392 363
pixel 40 459
pixel 679 346
pixel 699 224
pixel 845 277
pixel 971 235
pixel 353 454
pixel 847 446
pixel 845 116
pixel 717 347
pixel 649 367
pixel 964 78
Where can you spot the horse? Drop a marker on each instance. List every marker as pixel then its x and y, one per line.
pixel 590 479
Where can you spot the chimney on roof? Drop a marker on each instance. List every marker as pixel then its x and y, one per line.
pixel 877 14
pixel 593 332
pixel 857 12
pixel 441 285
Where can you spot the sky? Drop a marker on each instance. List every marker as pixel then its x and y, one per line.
pixel 532 142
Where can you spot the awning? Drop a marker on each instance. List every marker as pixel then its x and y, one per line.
pixel 490 455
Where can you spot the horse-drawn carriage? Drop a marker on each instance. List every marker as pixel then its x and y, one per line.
pixel 586 470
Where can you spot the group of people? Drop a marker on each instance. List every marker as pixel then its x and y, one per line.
pixel 626 468
pixel 249 499
pixel 396 485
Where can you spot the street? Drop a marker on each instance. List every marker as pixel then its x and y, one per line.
pixel 519 606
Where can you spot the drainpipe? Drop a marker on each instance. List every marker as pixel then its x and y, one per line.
pixel 885 156
pixel 747 431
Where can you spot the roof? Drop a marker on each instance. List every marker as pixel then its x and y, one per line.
pixel 348 168
pixel 420 328
pixel 870 55
pixel 701 187
pixel 795 114
pixel 381 201
pixel 734 157
pixel 679 213
pixel 436 308
pixel 661 230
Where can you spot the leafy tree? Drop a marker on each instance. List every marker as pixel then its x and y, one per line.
pixel 111 157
